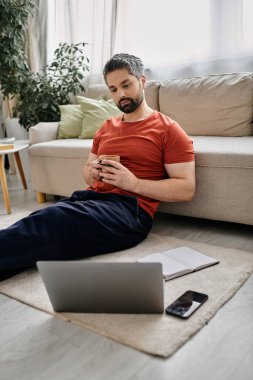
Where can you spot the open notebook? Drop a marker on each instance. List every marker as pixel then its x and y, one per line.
pixel 180 261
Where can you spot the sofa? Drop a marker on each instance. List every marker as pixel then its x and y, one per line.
pixel 216 111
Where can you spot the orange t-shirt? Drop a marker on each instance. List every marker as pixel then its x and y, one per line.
pixel 144 147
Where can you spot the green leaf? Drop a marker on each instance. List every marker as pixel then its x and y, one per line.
pixel 44 105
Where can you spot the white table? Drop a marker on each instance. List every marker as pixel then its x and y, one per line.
pixel 18 145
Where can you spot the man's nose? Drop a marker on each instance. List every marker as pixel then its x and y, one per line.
pixel 121 93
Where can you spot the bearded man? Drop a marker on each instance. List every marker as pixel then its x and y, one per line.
pixel 116 211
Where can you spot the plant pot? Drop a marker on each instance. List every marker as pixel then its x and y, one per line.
pixel 14 129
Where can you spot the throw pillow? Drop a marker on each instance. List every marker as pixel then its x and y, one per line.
pixel 70 125
pixel 95 113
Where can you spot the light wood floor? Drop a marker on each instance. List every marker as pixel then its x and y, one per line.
pixel 37 346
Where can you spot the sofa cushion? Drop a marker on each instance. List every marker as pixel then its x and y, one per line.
pixel 96 91
pixel 65 148
pixel 223 152
pixel 95 113
pixel 224 175
pixel 70 125
pixel 217 105
pixel 152 93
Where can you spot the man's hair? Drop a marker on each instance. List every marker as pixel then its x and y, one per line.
pixel 133 64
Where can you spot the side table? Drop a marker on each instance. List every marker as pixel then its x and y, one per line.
pixel 18 145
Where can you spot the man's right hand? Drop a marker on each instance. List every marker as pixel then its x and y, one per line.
pixel 91 169
pixel 95 169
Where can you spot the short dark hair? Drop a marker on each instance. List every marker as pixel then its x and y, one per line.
pixel 133 64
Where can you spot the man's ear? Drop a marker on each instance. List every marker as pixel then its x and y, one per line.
pixel 143 81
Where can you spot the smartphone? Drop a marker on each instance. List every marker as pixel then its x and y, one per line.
pixel 186 304
pixel 109 165
pixel 101 163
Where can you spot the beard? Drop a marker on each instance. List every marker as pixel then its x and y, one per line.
pixel 128 105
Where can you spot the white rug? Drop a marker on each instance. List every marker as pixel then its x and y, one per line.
pixel 159 335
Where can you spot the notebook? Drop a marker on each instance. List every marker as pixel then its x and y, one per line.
pixel 179 261
pixel 103 287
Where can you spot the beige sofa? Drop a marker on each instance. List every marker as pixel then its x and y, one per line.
pixel 216 111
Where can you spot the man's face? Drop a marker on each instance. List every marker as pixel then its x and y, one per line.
pixel 126 90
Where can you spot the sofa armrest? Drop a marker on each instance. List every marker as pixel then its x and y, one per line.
pixel 43 132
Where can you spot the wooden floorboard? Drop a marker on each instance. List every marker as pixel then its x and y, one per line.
pixel 37 346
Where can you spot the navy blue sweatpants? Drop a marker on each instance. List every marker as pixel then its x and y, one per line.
pixel 86 224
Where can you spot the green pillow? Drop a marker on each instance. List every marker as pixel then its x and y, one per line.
pixel 70 125
pixel 95 113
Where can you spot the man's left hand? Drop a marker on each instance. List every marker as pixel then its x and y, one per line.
pixel 118 175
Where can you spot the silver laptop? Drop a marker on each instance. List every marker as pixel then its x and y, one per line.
pixel 103 287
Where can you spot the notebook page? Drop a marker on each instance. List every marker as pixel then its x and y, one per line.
pixel 190 258
pixel 171 268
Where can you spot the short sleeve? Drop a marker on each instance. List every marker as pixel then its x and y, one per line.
pixel 178 145
pixel 96 140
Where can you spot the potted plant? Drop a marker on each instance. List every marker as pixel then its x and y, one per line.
pixel 14 17
pixel 38 95
pixel 41 93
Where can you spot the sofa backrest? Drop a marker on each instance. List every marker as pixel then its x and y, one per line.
pixel 216 105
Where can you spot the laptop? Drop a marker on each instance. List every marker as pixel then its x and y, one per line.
pixel 103 287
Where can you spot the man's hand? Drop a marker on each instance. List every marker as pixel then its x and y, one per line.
pixel 95 170
pixel 91 169
pixel 118 175
pixel 180 186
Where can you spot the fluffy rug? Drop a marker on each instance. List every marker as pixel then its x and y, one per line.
pixel 159 335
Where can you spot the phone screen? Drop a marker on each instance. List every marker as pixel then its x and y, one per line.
pixel 186 304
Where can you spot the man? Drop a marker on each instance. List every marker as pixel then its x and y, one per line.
pixel 116 211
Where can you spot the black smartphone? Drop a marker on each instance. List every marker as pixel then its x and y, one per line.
pixel 101 163
pixel 186 304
